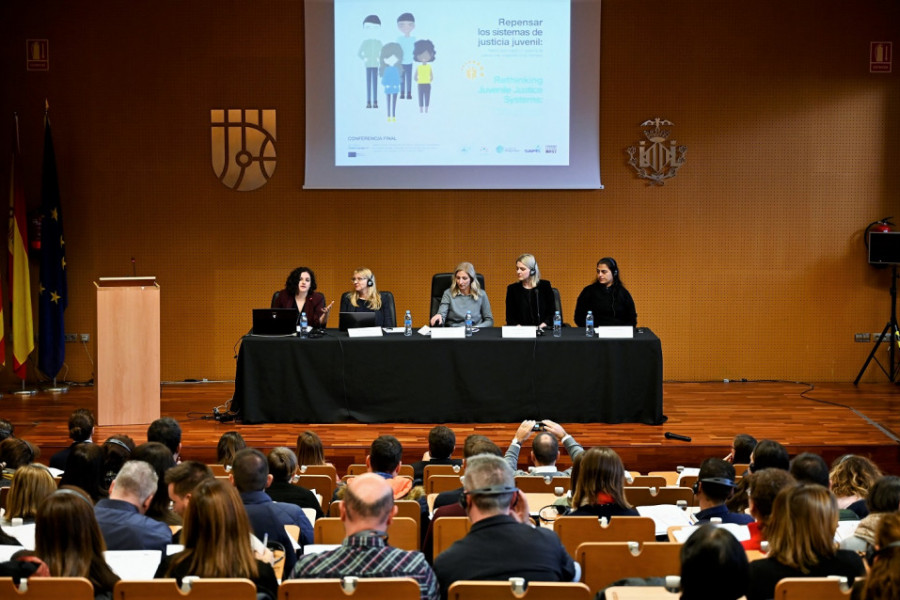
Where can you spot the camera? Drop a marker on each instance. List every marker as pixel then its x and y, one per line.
pixel 539 426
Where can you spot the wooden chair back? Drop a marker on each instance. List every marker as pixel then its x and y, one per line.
pixel 319 470
pixel 48 588
pixel 403 532
pixel 411 509
pixel 641 496
pixel 820 588
pixel 364 588
pixel 322 484
pixel 741 468
pixel 447 530
pixel 359 469
pixel 622 592
pixel 574 531
pixel 201 589
pixel 671 477
pixel 533 484
pixel 688 481
pixel 217 469
pixel 458 470
pixel 442 483
pixel 510 590
pixel 605 562
pixel 648 481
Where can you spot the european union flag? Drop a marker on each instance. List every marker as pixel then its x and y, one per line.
pixel 54 295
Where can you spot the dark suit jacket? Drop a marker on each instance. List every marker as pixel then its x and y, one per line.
pixel 315 302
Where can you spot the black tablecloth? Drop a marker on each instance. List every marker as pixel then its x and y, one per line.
pixel 484 378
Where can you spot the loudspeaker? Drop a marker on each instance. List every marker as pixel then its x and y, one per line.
pixel 884 247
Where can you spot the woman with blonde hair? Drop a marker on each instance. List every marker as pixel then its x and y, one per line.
pixel 851 479
pixel 365 297
pixel 464 295
pixel 216 539
pixel 30 485
pixel 68 540
pixel 600 489
pixel 530 300
pixel 800 532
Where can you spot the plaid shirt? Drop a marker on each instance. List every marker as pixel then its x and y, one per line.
pixel 367 555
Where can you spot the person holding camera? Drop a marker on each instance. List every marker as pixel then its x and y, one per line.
pixel 544 448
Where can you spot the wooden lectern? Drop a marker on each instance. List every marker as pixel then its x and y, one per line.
pixel 128 373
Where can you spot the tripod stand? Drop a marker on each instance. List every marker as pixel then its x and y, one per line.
pixel 892 333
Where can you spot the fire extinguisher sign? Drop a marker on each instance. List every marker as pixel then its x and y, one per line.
pixel 880 57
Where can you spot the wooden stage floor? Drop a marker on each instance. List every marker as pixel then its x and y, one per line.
pixel 830 419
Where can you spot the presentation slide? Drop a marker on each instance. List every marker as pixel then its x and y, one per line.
pixel 455 83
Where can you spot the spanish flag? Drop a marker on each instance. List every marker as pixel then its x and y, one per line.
pixel 19 276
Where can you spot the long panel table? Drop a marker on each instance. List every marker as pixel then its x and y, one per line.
pixel 484 378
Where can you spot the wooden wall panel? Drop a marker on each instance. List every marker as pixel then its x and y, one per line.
pixel 748 264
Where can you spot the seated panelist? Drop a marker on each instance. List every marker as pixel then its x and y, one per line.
pixel 365 297
pixel 300 294
pixel 530 300
pixel 464 295
pixel 607 298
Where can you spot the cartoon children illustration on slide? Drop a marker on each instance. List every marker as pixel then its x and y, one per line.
pixel 391 58
pixel 406 23
pixel 369 52
pixel 424 54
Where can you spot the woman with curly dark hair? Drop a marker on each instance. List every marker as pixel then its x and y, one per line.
pixel 300 294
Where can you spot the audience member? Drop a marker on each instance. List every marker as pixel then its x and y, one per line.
pixel 166 431
pixel 122 517
pixel 713 566
pixel 229 444
pixel 767 454
pixel 764 488
pixel 81 430
pixel 851 478
pixel 7 429
pixel 441 443
pixel 15 453
pixel 117 451
pixel 883 499
pixel 807 467
pixel 250 475
pixel 544 448
pixel 84 468
pixel 182 479
pixel 883 580
pixel 600 488
pixel 366 511
pixel 310 451
pixel 282 467
pixel 384 458
pixel 160 458
pixel 474 445
pixel 68 540
pixel 715 484
pixel 801 541
pixel 30 485
pixel 741 448
pixel 216 541
pixel 502 541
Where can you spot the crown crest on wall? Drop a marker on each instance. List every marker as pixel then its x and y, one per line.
pixel 657 158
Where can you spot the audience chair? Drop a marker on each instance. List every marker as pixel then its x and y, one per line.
pixel 47 588
pixel 741 468
pixel 671 477
pixel 513 589
pixel 293 531
pixel 432 470
pixel 442 483
pixel 201 589
pixel 641 496
pixel 358 469
pixel 820 588
pixel 532 484
pixel 647 481
pixel 364 588
pixel 651 592
pixel 334 510
pixel 605 562
pixel 319 470
pixel 440 283
pixel 322 484
pixel 688 481
pixel 573 531
pixel 411 509
pixel 218 469
pixel 403 532
pixel 447 530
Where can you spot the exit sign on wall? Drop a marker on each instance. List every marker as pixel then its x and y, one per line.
pixel 880 56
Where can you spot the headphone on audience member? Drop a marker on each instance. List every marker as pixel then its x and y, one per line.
pixel 494 490
pixel 872 553
pixel 613 265
pixel 716 480
pixel 371 280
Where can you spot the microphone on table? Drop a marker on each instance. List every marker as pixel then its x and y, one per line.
pixel 677 436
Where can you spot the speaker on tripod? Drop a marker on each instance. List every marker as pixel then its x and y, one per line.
pixel 884 249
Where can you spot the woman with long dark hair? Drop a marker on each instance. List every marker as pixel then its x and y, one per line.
pixel 607 298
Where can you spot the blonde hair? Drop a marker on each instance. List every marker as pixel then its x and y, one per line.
pixel 469 270
pixel 373 298
pixel 30 485
pixel 531 262
pixel 802 525
pixel 600 470
pixel 853 475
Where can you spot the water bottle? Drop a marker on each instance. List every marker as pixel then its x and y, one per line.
pixel 468 323
pixel 589 324
pixel 301 329
pixel 557 325
pixel 407 324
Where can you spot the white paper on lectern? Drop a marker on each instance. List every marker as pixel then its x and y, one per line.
pixel 518 331
pixel 362 332
pixel 448 333
pixel 615 332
